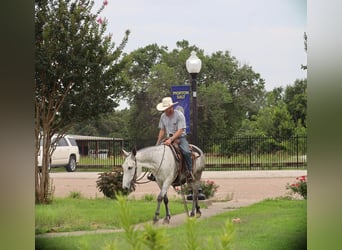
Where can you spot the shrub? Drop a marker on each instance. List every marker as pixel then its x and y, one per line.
pixel 208 188
pixel 75 195
pixel 300 186
pixel 110 184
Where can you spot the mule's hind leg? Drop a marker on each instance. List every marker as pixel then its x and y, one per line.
pixel 195 205
pixel 156 214
pixel 168 215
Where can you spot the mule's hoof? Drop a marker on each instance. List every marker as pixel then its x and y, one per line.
pixel 166 221
pixel 155 220
pixel 192 214
pixel 198 214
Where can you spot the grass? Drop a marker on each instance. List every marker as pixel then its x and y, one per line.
pixel 73 214
pixel 270 224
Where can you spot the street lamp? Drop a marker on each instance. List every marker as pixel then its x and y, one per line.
pixel 193 66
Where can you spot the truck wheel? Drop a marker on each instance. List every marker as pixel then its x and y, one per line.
pixel 71 167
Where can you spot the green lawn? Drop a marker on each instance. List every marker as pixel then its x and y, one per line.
pixel 69 214
pixel 270 224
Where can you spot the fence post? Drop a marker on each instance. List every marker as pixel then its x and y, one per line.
pixel 114 152
pixel 297 150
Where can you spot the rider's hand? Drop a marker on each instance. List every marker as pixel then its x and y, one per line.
pixel 168 141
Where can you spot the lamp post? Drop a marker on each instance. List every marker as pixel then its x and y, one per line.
pixel 193 66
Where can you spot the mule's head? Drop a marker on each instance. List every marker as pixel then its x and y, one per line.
pixel 129 169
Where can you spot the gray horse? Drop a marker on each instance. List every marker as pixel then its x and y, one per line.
pixel 161 162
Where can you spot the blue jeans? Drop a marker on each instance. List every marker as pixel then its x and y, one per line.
pixel 185 148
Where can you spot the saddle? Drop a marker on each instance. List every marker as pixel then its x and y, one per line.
pixel 180 180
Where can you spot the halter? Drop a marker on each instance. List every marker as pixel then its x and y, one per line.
pixel 136 180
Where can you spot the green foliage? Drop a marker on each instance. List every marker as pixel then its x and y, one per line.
pixel 149 197
pixel 282 114
pixel 214 120
pixel 154 238
pixel 228 235
pixel 191 242
pixel 112 124
pixel 231 97
pixel 125 214
pixel 110 183
pixel 77 66
pixel 75 195
pixel 226 90
pixel 296 101
pixel 78 72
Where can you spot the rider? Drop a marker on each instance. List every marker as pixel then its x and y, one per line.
pixel 172 125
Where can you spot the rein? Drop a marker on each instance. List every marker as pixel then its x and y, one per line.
pixel 137 180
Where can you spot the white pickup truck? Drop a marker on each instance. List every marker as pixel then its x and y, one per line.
pixel 66 154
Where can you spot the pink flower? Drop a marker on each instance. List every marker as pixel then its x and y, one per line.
pixel 303 178
pixel 105 2
pixel 99 20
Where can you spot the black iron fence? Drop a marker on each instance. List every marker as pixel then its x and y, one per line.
pixel 237 153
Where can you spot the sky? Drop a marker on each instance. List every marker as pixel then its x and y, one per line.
pixel 265 34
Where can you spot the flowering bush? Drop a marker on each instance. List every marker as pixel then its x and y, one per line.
pixel 110 183
pixel 208 188
pixel 300 186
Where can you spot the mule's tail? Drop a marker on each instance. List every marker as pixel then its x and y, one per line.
pixel 199 161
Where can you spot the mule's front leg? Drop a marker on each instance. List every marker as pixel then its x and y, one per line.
pixel 168 215
pixel 156 214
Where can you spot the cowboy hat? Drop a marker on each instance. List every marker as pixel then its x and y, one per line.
pixel 165 104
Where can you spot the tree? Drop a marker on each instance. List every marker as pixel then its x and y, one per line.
pixel 77 72
pixel 214 102
pixel 296 101
pixel 153 70
pixel 113 124
pixel 245 86
pixel 145 73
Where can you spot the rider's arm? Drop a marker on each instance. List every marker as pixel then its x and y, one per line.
pixel 178 133
pixel 160 136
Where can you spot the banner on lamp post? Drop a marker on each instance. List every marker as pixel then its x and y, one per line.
pixel 181 94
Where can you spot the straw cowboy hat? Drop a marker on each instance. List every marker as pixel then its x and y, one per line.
pixel 165 104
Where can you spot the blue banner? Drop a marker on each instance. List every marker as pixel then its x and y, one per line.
pixel 181 94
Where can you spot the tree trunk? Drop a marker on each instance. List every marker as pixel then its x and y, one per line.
pixel 42 177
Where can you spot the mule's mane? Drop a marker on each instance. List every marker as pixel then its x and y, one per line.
pixel 151 156
pixel 142 150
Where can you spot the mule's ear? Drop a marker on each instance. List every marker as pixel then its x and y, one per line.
pixel 134 150
pixel 124 153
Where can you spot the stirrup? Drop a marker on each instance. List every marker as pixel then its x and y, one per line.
pixel 151 177
pixel 190 177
